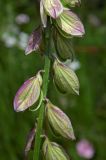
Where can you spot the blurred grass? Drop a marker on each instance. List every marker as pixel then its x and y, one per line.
pixel 87 112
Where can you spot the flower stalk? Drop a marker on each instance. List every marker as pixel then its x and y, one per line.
pixel 44 89
pixel 59 26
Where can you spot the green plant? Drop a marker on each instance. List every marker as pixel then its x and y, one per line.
pixel 53 40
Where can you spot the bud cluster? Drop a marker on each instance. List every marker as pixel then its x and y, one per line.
pixel 65 25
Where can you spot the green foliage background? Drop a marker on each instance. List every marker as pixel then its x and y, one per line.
pixel 87 112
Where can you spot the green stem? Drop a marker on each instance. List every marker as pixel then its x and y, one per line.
pixel 44 88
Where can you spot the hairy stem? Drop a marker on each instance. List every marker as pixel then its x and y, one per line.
pixel 44 88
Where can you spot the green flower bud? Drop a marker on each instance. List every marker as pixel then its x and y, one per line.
pixel 53 8
pixel 70 23
pixel 65 78
pixel 59 121
pixel 53 151
pixel 71 3
pixel 63 47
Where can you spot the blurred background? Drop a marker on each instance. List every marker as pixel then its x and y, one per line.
pixel 87 111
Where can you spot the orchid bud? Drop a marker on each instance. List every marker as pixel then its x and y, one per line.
pixel 34 41
pixel 53 8
pixel 70 23
pixel 63 47
pixel 43 14
pixel 53 151
pixel 71 3
pixel 30 141
pixel 65 78
pixel 28 94
pixel 64 34
pixel 59 121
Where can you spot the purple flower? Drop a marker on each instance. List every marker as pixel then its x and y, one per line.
pixel 85 149
pixel 22 18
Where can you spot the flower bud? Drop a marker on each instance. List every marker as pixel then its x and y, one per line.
pixel 59 121
pixel 70 23
pixel 53 151
pixel 30 141
pixel 34 42
pixel 64 34
pixel 65 78
pixel 28 94
pixel 53 8
pixel 63 47
pixel 71 3
pixel 43 14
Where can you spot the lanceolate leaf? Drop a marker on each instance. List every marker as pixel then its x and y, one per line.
pixel 34 41
pixel 28 94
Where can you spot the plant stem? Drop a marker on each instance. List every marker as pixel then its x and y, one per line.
pixel 44 88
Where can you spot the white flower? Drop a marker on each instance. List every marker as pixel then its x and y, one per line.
pixel 9 40
pixel 22 18
pixel 23 38
pixel 75 65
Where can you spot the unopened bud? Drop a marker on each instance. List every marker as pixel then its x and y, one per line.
pixel 53 8
pixel 59 121
pixel 53 151
pixel 65 78
pixel 30 141
pixel 28 94
pixel 43 14
pixel 63 47
pixel 34 42
pixel 70 23
pixel 63 33
pixel 71 3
